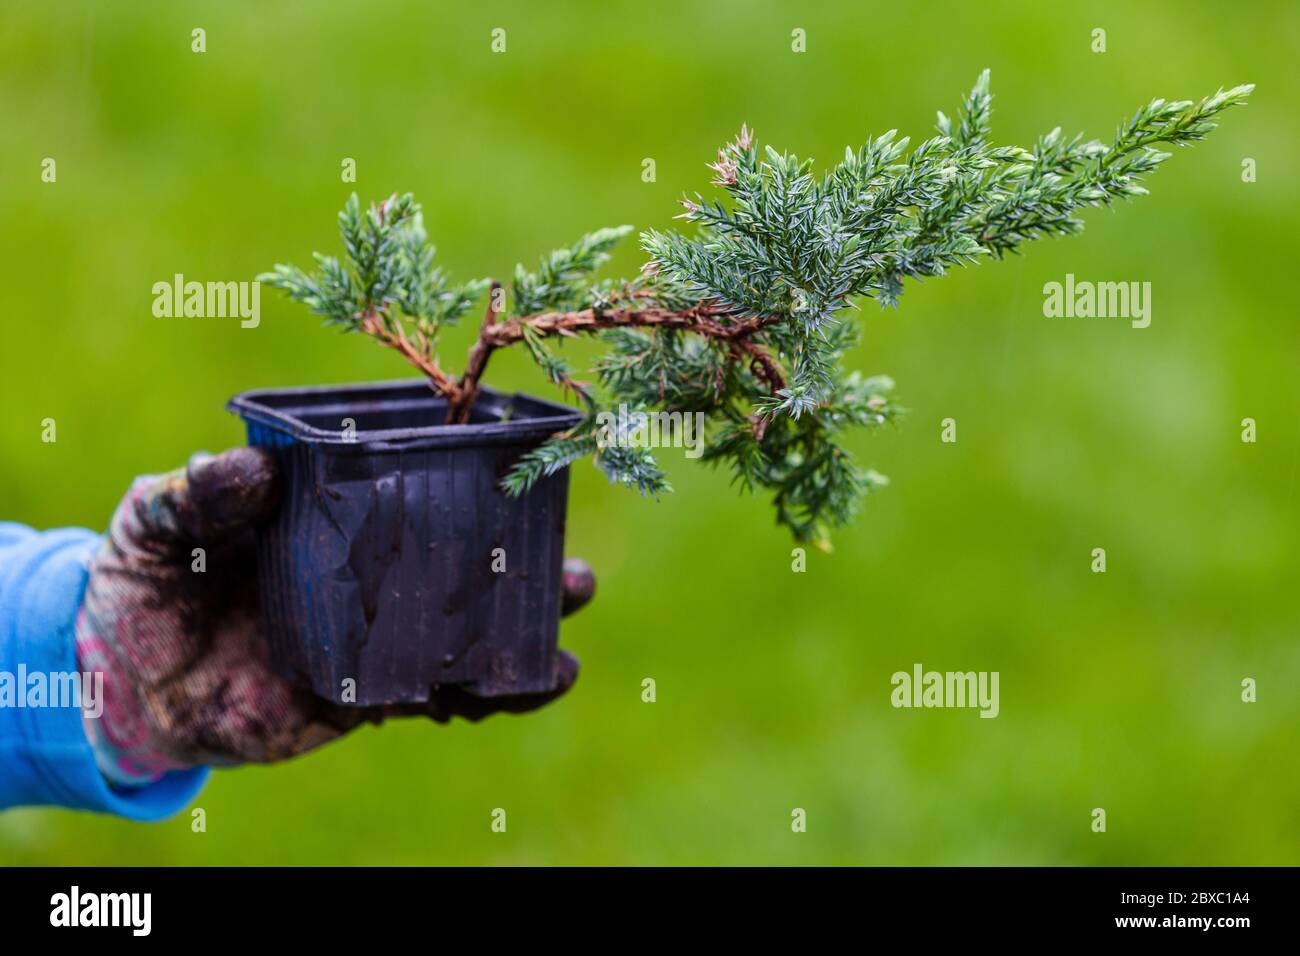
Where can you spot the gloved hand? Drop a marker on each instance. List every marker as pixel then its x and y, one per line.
pixel 186 679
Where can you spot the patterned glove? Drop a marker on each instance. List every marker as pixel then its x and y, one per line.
pixel 186 679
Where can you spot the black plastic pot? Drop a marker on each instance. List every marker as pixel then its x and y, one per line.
pixel 379 566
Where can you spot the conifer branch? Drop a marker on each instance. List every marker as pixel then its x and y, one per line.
pixel 742 320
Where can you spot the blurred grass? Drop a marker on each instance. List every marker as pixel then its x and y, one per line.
pixel 1118 690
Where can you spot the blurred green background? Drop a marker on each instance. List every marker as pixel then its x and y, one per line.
pixel 1118 690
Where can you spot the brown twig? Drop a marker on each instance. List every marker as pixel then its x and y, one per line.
pixel 761 363
pixel 703 319
pixel 372 324
pixel 459 409
pixel 706 319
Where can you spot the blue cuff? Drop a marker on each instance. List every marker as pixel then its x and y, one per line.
pixel 45 758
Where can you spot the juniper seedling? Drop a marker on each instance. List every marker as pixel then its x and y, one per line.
pixel 742 318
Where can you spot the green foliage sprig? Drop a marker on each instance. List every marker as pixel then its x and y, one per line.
pixel 742 319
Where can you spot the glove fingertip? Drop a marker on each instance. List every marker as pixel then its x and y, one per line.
pixel 566 671
pixel 237 488
pixel 578 587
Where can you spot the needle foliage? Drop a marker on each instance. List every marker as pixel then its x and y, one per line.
pixel 747 314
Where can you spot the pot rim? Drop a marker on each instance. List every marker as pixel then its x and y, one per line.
pixel 280 409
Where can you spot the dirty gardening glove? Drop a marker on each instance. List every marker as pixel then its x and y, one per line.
pixel 186 678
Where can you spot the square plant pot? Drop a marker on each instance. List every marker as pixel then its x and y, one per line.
pixel 395 561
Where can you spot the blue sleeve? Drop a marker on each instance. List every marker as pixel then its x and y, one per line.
pixel 45 758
